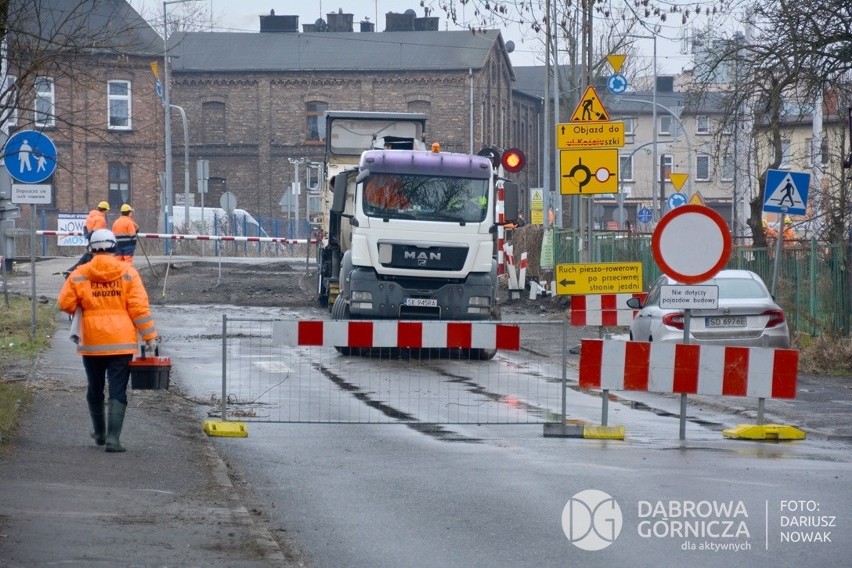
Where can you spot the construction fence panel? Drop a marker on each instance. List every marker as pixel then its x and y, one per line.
pixel 272 373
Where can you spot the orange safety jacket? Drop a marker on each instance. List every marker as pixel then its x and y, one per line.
pixel 124 228
pixel 94 221
pixel 114 306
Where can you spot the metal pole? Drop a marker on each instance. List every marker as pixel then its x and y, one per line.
pixel 564 372
pixel 687 317
pixel 168 125
pixel 778 245
pixel 224 364
pixel 185 164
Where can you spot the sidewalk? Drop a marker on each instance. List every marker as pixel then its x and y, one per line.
pixel 167 501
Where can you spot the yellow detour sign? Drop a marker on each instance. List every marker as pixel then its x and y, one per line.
pixel 588 171
pixel 584 135
pixel 598 278
pixel 678 180
pixel 616 61
pixel 590 108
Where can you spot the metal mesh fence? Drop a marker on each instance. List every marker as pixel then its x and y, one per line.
pixel 266 381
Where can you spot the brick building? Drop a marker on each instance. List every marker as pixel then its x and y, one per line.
pixel 254 101
pixel 80 74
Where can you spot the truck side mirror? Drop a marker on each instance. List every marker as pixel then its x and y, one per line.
pixel 338 202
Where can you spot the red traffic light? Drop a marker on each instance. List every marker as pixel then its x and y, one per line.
pixel 513 160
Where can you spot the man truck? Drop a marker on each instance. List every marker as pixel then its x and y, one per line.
pixel 409 232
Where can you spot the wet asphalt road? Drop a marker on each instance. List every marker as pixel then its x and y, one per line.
pixel 388 494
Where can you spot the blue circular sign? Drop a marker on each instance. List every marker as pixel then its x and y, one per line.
pixel 617 83
pixel 676 200
pixel 644 215
pixel 29 156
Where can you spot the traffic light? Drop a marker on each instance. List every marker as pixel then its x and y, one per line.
pixel 513 160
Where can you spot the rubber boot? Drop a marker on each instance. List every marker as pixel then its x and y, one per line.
pixel 115 419
pixel 96 411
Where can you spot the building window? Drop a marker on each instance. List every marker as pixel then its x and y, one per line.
pixel 786 153
pixel 629 126
pixel 45 102
pixel 314 111
pixel 420 106
pixel 727 167
pixel 118 96
pixel 213 122
pixel 702 124
pixel 9 102
pixel 665 125
pixel 666 163
pixel 702 167
pixel 119 184
pixel 625 168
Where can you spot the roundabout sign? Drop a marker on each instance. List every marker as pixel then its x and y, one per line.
pixel 691 244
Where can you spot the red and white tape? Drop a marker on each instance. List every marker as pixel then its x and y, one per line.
pixel 758 372
pixel 603 309
pixel 400 334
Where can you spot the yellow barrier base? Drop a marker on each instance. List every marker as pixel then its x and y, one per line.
pixel 603 432
pixel 764 432
pixel 224 429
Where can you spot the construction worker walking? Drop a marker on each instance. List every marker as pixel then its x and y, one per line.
pixel 125 230
pixel 96 219
pixel 110 301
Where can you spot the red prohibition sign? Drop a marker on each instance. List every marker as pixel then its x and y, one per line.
pixel 691 244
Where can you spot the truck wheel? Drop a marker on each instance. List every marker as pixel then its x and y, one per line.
pixel 340 311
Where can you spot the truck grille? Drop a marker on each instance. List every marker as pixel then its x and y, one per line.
pixel 422 258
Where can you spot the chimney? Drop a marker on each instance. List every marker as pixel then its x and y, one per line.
pixel 339 22
pixel 279 24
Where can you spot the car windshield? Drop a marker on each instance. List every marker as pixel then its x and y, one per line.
pixel 428 198
pixel 738 288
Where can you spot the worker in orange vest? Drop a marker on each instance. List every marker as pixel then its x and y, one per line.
pixel 125 229
pixel 113 309
pixel 96 219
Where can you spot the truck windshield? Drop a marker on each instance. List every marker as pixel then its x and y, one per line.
pixel 427 198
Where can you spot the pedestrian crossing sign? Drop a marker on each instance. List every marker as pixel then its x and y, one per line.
pixel 786 192
pixel 590 108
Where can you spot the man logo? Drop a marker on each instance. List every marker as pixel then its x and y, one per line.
pixel 591 520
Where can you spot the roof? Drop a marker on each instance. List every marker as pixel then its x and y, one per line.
pixel 529 80
pixel 102 26
pixel 331 51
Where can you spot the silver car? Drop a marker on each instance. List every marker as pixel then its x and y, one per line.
pixel 747 315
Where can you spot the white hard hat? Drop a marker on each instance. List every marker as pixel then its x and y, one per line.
pixel 102 239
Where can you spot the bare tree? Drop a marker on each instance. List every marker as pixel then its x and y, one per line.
pixel 791 54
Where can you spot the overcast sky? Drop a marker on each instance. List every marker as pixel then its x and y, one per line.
pixel 243 15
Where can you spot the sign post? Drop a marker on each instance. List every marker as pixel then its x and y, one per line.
pixel 691 244
pixel 30 158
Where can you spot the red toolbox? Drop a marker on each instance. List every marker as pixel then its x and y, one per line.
pixel 150 373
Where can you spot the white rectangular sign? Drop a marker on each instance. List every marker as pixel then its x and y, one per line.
pixel 683 297
pixel 71 223
pixel 37 193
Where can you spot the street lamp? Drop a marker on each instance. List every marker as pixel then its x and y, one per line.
pixel 654 127
pixel 167 107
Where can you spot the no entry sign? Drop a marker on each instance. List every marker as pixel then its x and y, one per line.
pixel 691 244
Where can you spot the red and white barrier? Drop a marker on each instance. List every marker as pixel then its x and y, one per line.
pixel 400 334
pixel 688 368
pixel 603 309
pixel 180 237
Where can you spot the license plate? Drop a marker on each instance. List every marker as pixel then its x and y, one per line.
pixel 421 302
pixel 725 321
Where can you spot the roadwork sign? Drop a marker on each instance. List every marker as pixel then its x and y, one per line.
pixel 598 278
pixel 590 108
pixel 583 135
pixel 588 171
